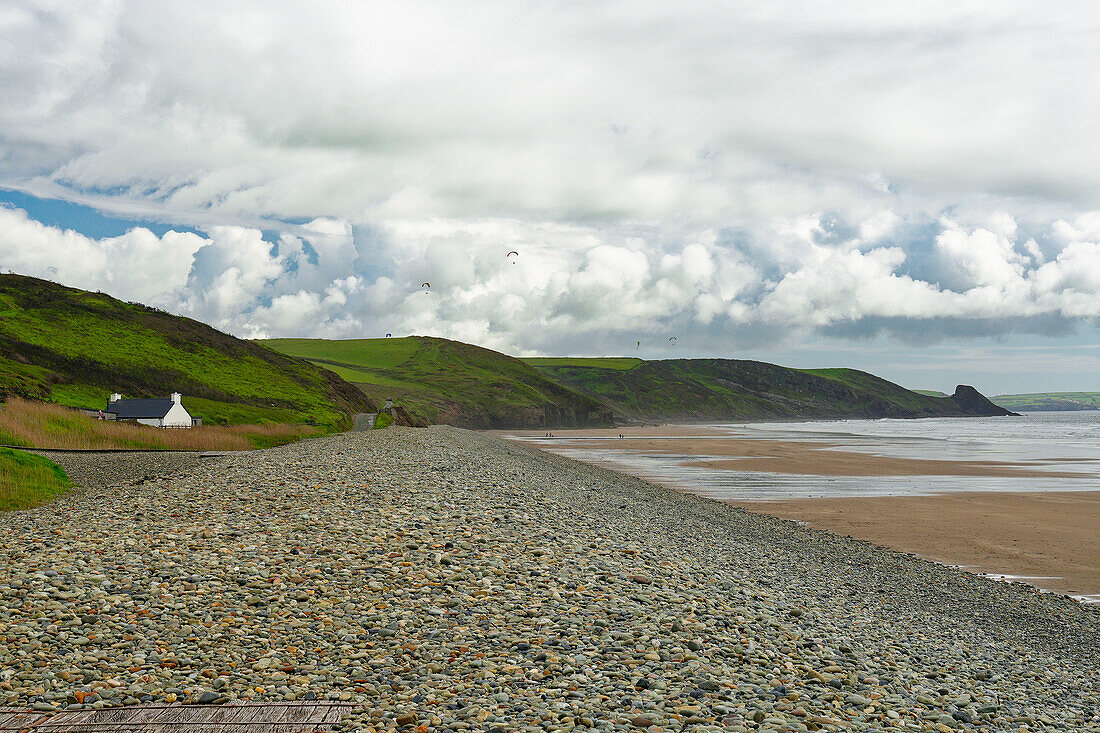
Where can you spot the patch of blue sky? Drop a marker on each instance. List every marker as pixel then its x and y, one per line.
pixel 83 219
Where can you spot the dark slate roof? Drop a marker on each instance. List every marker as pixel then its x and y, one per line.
pixel 140 409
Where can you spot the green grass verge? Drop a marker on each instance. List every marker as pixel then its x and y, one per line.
pixel 27 480
pixel 384 420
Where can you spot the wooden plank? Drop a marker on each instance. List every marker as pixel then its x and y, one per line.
pixel 298 719
pixel 224 714
pixel 20 719
pixel 247 718
pixel 335 711
pixel 141 717
pixel 274 717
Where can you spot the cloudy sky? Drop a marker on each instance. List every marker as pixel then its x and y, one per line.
pixel 909 188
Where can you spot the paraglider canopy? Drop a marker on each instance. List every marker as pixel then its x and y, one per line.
pixel 388 335
pixel 513 252
pixel 671 338
pixel 425 285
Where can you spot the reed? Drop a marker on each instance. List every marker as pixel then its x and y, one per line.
pixel 44 425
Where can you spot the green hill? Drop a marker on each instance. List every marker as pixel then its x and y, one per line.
pixel 440 381
pixel 75 347
pixel 1046 401
pixel 725 389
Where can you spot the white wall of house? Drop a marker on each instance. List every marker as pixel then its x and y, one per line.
pixel 156 422
pixel 177 417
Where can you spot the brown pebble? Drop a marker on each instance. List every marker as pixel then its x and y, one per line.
pixel 640 721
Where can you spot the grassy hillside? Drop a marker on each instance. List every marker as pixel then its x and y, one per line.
pixel 28 480
pixel 719 389
pixel 75 347
pixel 1044 401
pixel 441 381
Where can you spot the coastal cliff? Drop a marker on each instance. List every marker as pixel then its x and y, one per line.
pixel 696 390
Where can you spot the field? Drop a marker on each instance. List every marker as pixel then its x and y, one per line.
pixel 43 425
pixel 1041 401
pixel 28 480
pixel 74 348
pixel 440 381
pixel 618 363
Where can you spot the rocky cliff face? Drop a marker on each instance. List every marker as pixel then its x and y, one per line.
pixel 973 402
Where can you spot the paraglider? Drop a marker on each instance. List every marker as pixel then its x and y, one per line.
pixel 672 340
pixel 426 286
pixel 388 335
pixel 513 252
pixel 638 346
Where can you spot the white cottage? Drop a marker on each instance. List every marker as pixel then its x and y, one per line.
pixel 168 413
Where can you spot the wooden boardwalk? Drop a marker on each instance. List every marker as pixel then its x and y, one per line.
pixel 280 717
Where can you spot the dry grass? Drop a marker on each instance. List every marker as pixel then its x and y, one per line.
pixel 43 425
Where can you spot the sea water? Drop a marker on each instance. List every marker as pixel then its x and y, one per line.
pixel 1066 442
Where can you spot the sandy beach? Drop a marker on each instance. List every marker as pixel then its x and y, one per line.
pixel 1045 539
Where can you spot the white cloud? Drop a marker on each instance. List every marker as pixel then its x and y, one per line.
pixel 568 284
pixel 720 171
pixel 696 112
pixel 137 265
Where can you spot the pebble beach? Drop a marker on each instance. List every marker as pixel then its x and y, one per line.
pixel 445 580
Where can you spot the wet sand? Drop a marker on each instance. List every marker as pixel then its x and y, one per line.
pixel 1051 538
pixel 810 458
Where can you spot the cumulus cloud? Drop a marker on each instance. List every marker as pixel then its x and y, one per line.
pixel 137 266
pixel 716 171
pixel 573 288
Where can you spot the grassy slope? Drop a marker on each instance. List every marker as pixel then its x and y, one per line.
pixel 620 363
pixel 708 389
pixel 28 480
pixel 441 381
pixel 74 348
pixel 1050 401
pixel 893 393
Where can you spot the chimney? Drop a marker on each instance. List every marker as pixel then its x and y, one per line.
pixel 176 397
pixel 115 397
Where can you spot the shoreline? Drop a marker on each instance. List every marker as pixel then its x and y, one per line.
pixel 1045 539
pixel 731 451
